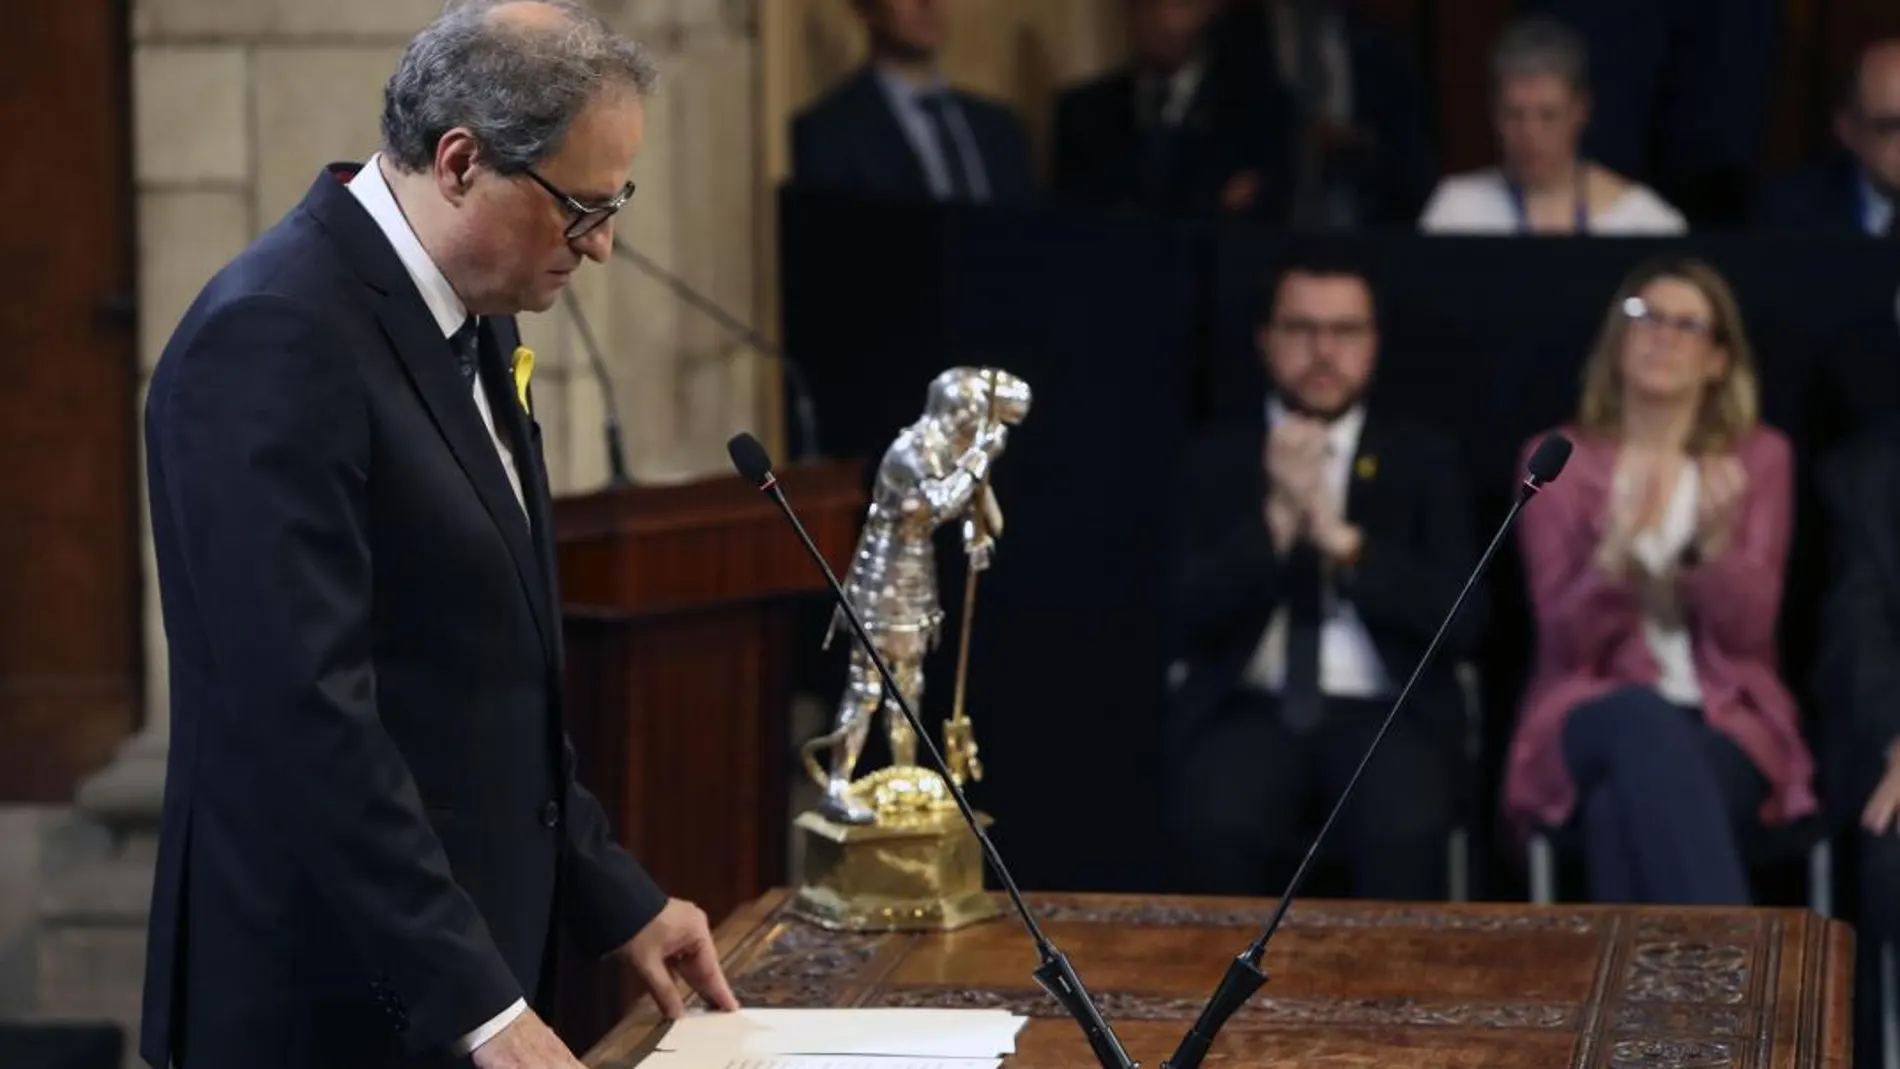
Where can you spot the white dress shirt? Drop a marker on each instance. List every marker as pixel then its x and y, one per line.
pixel 921 132
pixel 1876 210
pixel 1657 549
pixel 1182 85
pixel 1349 664
pixel 1335 58
pixel 450 313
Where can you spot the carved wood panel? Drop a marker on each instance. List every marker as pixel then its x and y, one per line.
pixel 1359 983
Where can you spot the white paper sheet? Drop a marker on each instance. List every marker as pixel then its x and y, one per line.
pixel 887 1033
pixel 712 1060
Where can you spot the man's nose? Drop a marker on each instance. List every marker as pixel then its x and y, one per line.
pixel 597 244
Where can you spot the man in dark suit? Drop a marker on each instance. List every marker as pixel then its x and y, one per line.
pixel 1680 93
pixel 1857 679
pixel 1856 190
pixel 1317 555
pixel 897 130
pixel 1170 133
pixel 1357 102
pixel 371 822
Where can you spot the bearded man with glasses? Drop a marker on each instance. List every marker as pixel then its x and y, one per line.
pixel 1319 545
pixel 372 823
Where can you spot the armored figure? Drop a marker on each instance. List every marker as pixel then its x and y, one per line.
pixel 936 471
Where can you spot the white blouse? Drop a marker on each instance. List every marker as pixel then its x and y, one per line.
pixel 1481 203
pixel 1657 549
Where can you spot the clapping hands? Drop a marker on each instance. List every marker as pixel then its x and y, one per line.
pixel 1645 481
pixel 1295 460
pixel 1718 504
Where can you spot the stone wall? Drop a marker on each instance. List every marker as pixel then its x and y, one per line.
pixel 239 104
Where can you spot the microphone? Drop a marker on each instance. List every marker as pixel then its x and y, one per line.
pixel 1054 974
pixel 802 411
pixel 616 449
pixel 1243 975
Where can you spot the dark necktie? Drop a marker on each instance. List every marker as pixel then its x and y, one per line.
pixel 1157 140
pixel 1300 697
pixel 936 108
pixel 466 343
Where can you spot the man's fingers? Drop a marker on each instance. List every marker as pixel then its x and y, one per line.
pixel 659 980
pixel 1878 817
pixel 699 967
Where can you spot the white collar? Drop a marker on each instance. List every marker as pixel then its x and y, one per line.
pixel 1182 85
pixel 1344 431
pixel 1876 210
pixel 373 191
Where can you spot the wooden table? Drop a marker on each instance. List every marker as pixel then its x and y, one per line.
pixel 1350 983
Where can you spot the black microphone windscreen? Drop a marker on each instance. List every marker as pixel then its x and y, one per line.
pixel 753 462
pixel 1548 459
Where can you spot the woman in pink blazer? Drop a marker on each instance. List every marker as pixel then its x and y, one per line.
pixel 1655 725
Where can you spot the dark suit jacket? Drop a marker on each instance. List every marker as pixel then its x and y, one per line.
pixel 1408 495
pixel 371 819
pixel 1105 157
pixel 1391 180
pixel 850 141
pixel 1821 197
pixel 1853 384
pixel 1857 671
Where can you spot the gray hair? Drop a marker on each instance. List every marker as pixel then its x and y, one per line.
pixel 517 88
pixel 1542 45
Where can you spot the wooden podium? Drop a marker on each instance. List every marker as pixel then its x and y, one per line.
pixel 1384 984
pixel 678 606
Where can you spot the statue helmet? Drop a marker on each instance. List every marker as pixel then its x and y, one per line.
pixel 961 396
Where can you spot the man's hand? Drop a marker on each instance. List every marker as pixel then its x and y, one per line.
pixel 526 1043
pixel 1884 804
pixel 1240 192
pixel 1296 461
pixel 678 944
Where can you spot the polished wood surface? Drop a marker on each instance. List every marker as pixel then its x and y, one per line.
pixel 1350 983
pixel 678 605
pixel 69 551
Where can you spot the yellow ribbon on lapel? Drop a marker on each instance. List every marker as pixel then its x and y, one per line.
pixel 523 365
pixel 1366 467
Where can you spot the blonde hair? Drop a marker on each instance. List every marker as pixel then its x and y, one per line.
pixel 1731 406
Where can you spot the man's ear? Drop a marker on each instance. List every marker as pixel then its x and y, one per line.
pixel 457 155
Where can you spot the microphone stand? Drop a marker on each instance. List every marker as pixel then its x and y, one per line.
pixel 1054 973
pixel 1244 975
pixel 616 447
pixel 802 413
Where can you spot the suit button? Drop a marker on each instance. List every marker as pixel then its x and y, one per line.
pixel 550 815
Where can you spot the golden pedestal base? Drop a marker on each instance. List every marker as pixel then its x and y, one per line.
pixel 923 875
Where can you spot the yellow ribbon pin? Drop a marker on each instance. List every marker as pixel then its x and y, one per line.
pixel 1366 467
pixel 523 365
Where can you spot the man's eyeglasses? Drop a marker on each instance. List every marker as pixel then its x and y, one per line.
pixel 1309 331
pixel 586 218
pixel 1638 310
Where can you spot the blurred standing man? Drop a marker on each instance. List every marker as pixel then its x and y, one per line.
pixel 897 129
pixel 1170 132
pixel 1858 190
pixel 371 819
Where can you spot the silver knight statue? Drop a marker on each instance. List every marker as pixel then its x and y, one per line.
pixel 935 472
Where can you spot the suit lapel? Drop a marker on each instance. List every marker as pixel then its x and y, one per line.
pixel 526 532
pixel 889 131
pixel 425 357
pixel 1365 479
